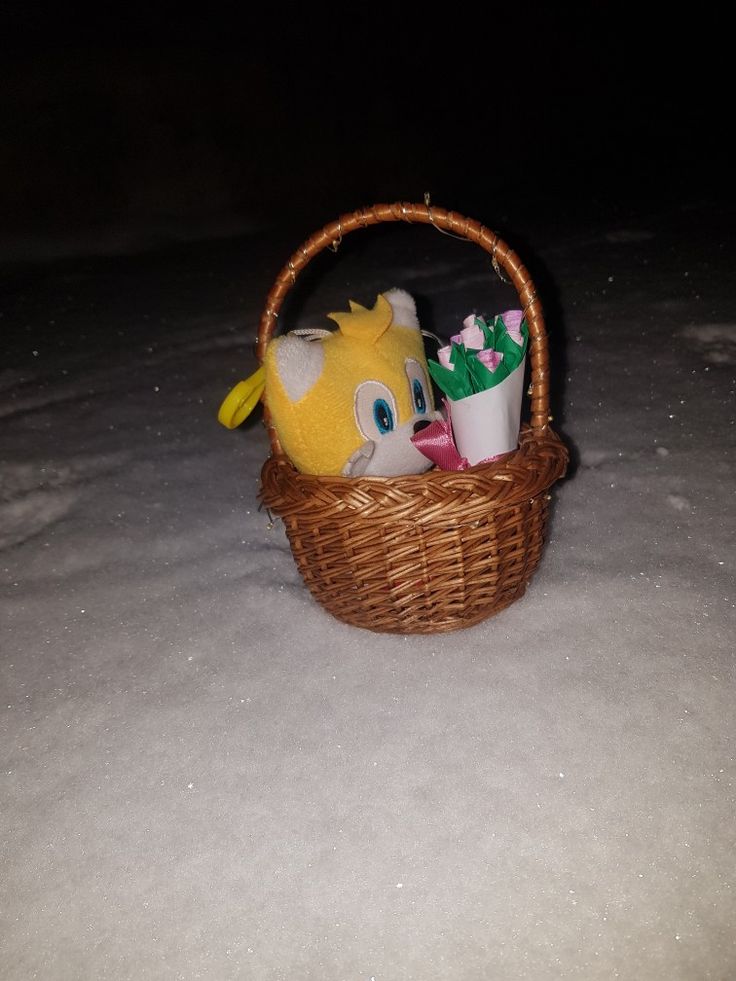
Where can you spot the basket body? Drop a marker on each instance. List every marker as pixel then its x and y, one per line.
pixel 430 552
pixel 427 553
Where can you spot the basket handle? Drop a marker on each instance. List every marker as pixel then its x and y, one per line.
pixel 449 221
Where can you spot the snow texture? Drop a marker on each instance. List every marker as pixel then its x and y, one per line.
pixel 206 776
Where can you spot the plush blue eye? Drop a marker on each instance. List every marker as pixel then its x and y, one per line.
pixel 420 399
pixel 383 416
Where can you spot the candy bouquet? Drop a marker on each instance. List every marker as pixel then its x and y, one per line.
pixel 481 371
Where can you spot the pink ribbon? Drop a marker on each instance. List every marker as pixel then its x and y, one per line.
pixel 436 442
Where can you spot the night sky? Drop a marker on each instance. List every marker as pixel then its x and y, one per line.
pixel 149 114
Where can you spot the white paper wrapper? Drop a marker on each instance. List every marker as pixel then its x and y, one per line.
pixel 488 423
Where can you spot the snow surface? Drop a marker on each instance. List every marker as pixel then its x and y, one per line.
pixel 206 776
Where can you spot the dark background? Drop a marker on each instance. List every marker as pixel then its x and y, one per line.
pixel 159 119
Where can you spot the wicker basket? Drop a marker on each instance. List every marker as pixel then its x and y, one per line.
pixel 431 552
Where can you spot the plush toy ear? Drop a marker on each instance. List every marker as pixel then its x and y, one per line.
pixel 298 364
pixel 404 308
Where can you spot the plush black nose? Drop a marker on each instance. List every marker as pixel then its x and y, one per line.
pixel 422 424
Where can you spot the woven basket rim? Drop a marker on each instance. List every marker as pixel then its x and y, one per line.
pixel 435 474
pixel 423 498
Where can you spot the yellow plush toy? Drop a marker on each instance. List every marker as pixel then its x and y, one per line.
pixel 347 402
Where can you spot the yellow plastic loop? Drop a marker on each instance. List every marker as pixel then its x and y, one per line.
pixel 241 401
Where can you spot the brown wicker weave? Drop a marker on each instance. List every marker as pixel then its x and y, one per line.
pixel 430 552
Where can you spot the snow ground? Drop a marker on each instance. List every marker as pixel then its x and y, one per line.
pixel 205 776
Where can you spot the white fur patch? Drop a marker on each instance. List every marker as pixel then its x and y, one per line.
pixel 404 308
pixel 299 364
